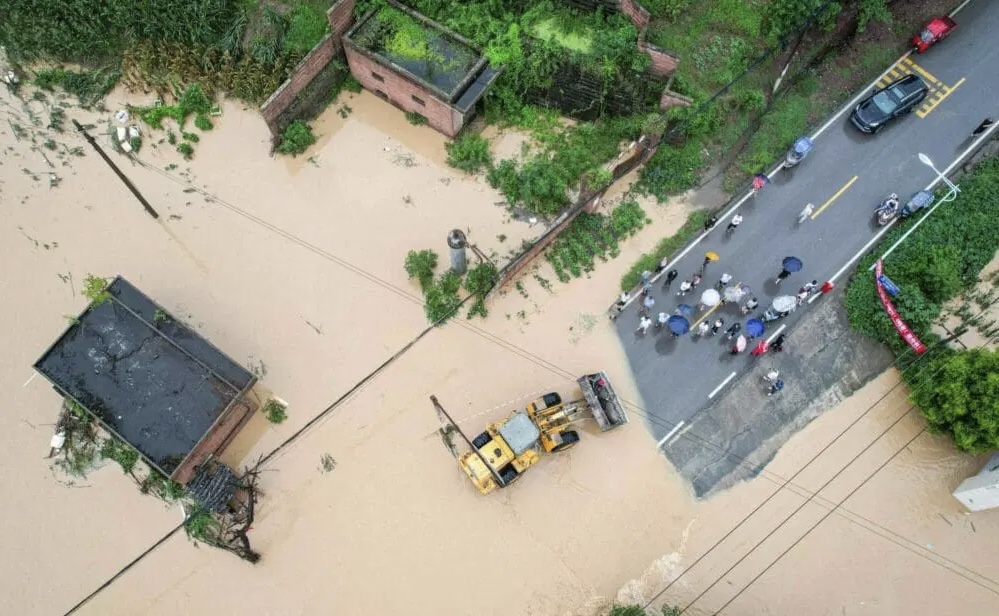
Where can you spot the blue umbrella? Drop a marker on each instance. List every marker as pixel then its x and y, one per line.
pixel 678 325
pixel 791 264
pixel 685 310
pixel 754 327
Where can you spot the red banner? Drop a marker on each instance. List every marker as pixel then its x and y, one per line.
pixel 896 319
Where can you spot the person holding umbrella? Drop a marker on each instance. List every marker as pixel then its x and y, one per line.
pixel 788 266
pixel 740 345
pixel 678 325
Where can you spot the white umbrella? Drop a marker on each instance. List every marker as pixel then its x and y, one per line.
pixel 710 297
pixel 735 292
pixel 785 303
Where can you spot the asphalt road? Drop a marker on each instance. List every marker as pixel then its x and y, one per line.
pixel 846 176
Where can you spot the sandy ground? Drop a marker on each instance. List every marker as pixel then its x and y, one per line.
pixel 274 250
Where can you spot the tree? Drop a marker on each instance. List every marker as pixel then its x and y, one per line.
pixel 958 394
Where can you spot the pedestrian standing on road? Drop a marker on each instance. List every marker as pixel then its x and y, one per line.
pixel 702 329
pixel 662 265
pixel 643 325
pixel 670 277
pixel 811 287
pixel 781 276
pixel 778 344
pixel 696 280
pixel 771 376
pixel 984 126
pixel 750 305
pixel 776 387
pixel 619 305
pixel 710 223
pixel 733 329
pixel 661 321
pixel 734 223
pixel 801 296
pixel 685 287
pixel 646 276
pixel 718 324
pixel 647 305
pixel 805 213
pixel 723 281
pixel 647 289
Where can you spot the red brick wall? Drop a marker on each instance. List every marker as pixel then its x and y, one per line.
pixel 636 13
pixel 400 91
pixel 341 18
pixel 663 62
pixel 672 99
pixel 310 66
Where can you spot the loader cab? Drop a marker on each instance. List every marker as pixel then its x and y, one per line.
pixel 508 447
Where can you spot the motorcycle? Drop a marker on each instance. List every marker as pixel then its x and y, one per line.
pixel 887 211
pixel 797 153
pixel 920 200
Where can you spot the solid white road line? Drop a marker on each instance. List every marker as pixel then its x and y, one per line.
pixel 32 378
pixel 723 384
pixel 962 5
pixel 671 433
pixel 776 333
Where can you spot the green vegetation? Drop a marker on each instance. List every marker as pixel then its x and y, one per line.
pixel 186 150
pixel 671 170
pixel 593 236
pixel 637 610
pixel 203 122
pixel 941 259
pixel 469 153
pixel 192 100
pixel 562 158
pixel 201 525
pixel 296 139
pixel 307 24
pixel 416 119
pixel 275 411
pixel 95 289
pixel 958 394
pixel 88 86
pixel 421 265
pixel 441 298
pixel 666 247
pixel 121 452
pixel 479 281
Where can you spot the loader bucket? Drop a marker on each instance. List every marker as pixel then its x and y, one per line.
pixel 602 400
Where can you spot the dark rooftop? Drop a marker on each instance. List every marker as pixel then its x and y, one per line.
pixel 151 380
pixel 426 50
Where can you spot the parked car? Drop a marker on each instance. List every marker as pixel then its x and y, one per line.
pixel 933 32
pixel 897 98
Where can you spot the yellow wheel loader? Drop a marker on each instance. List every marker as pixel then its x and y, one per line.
pixel 501 454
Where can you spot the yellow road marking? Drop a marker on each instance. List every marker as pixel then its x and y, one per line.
pixel 921 71
pixel 929 106
pixel 834 197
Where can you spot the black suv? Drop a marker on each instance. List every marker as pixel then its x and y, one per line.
pixel 898 97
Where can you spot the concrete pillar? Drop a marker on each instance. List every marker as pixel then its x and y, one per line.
pixel 457 243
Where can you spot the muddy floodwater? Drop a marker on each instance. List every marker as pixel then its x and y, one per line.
pixel 293 267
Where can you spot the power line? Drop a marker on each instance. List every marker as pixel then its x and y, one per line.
pixel 822 519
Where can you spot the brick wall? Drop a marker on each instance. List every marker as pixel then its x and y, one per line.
pixel 341 18
pixel 664 63
pixel 636 13
pixel 400 91
pixel 310 66
pixel 672 99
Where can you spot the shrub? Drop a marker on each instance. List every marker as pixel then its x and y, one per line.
pixel 479 281
pixel 671 170
pixel 469 153
pixel 186 150
pixel 275 411
pixel 88 86
pixel 296 138
pixel 421 265
pixel 203 122
pixel 442 299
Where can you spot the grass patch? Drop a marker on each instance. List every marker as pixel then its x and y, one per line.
pixel 666 247
pixel 671 170
pixel 550 29
pixel 307 25
pixel 191 101
pixel 469 153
